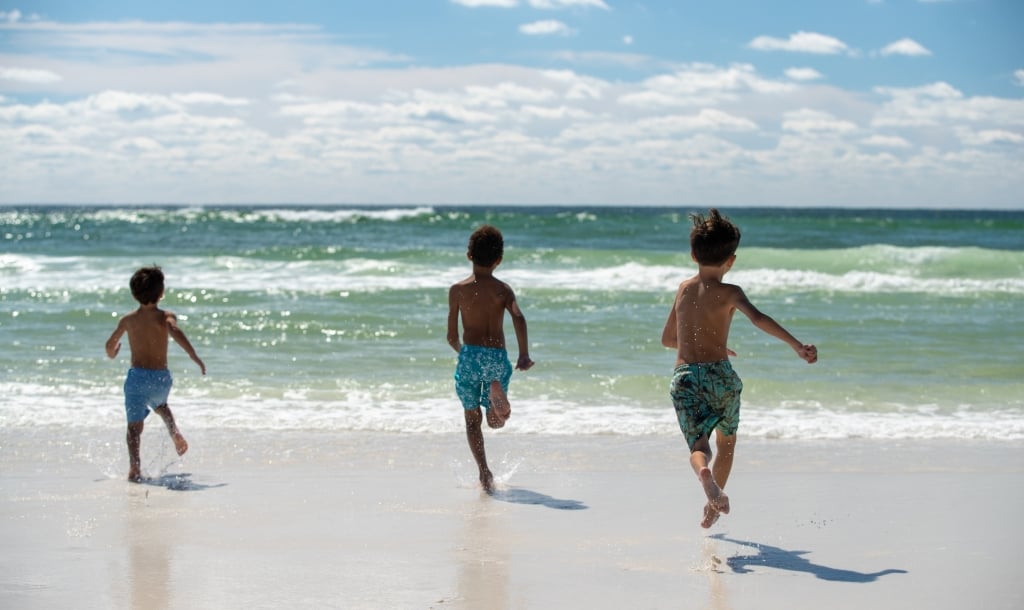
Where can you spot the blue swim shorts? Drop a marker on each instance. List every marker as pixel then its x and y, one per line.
pixel 476 369
pixel 706 396
pixel 145 389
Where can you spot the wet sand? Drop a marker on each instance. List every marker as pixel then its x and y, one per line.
pixel 373 520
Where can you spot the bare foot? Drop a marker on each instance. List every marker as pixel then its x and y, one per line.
pixel 499 400
pixel 487 481
pixel 718 502
pixel 494 420
pixel 134 474
pixel 710 516
pixel 180 444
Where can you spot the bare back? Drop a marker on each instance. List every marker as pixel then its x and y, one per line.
pixel 148 329
pixel 700 320
pixel 480 302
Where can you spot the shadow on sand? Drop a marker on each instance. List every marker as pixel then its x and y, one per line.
pixel 180 481
pixel 518 495
pixel 781 559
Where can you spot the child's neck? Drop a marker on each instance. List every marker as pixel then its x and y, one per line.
pixel 707 273
pixel 482 272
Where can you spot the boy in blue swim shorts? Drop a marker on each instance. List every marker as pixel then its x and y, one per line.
pixel 148 382
pixel 705 390
pixel 483 370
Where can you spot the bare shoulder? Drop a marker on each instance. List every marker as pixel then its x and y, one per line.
pixel 459 286
pixel 687 285
pixel 733 291
pixel 690 281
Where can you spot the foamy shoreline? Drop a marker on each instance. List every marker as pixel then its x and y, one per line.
pixel 377 520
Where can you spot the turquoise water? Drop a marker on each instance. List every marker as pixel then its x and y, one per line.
pixel 334 318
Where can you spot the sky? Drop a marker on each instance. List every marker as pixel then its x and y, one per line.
pixel 824 103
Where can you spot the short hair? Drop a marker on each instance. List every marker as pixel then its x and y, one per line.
pixel 486 246
pixel 713 239
pixel 147 285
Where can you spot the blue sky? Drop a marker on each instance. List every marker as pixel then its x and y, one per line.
pixel 878 103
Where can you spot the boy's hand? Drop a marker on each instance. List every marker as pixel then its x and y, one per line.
pixel 524 363
pixel 112 351
pixel 808 353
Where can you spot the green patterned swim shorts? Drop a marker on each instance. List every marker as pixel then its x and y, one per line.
pixel 706 396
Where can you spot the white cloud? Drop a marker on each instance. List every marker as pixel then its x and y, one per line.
pixel 1018 77
pixel 627 40
pixel 198 98
pixel 801 42
pixel 807 120
pixel 485 3
pixel 10 16
pixel 884 141
pixel 559 4
pixel 707 119
pixel 578 87
pixel 988 137
pixel 701 85
pixel 905 46
pixel 29 75
pixel 546 27
pixel 940 105
pixel 803 74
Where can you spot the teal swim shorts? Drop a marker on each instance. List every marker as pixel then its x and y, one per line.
pixel 476 369
pixel 706 396
pixel 145 389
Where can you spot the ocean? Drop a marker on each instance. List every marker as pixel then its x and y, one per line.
pixel 333 318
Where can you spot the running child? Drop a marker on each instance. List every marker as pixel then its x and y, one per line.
pixel 705 390
pixel 148 382
pixel 483 370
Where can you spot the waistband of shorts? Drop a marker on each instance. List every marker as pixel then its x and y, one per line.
pixel 686 366
pixel 479 348
pixel 138 370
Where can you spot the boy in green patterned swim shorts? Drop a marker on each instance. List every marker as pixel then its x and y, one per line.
pixel 705 390
pixel 483 370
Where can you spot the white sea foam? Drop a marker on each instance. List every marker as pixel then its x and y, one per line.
pixel 38 272
pixel 372 410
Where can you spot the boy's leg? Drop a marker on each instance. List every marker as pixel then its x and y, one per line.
pixel 475 436
pixel 718 502
pixel 722 465
pixel 499 404
pixel 494 418
pixel 134 439
pixel 180 445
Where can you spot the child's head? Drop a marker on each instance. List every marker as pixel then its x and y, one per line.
pixel 147 285
pixel 714 239
pixel 486 246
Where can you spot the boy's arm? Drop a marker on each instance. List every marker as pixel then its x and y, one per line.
pixel 768 325
pixel 453 319
pixel 180 338
pixel 114 342
pixel 519 324
pixel 670 334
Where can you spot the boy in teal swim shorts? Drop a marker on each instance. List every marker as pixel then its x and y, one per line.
pixel 148 382
pixel 483 370
pixel 705 390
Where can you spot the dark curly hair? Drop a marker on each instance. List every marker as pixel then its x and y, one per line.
pixel 713 239
pixel 147 285
pixel 486 246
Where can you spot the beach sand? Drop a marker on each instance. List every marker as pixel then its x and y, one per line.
pixel 376 520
